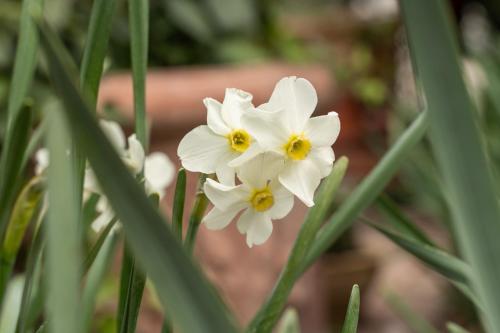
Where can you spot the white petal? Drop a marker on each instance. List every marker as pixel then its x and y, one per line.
pixel 235 102
pixel 135 154
pixel 217 219
pixel 267 128
pixel 245 220
pixel 114 133
pixel 323 159
pixel 301 178
pixel 225 173
pixel 259 230
pixel 283 201
pixel 201 149
pixel 259 170
pixel 252 151
pixel 214 117
pixel 42 160
pixel 297 97
pixel 90 182
pixel 323 130
pixel 224 197
pixel 159 171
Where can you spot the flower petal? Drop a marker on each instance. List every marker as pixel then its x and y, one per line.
pixel 323 130
pixel 224 197
pixel 217 219
pixel 267 128
pixel 225 173
pixel 245 220
pixel 259 170
pixel 114 133
pixel 323 158
pixel 283 201
pixel 301 178
pixel 260 228
pixel 235 102
pixel 214 116
pixel 42 160
pixel 135 154
pixel 159 171
pixel 252 151
pixel 102 220
pixel 201 149
pixel 297 97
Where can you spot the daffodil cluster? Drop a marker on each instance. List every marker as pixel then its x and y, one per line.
pixel 262 156
pixel 157 168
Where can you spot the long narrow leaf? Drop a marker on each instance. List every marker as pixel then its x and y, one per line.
pixel 178 206
pixel 454 328
pixel 199 207
pixel 367 190
pixel 457 143
pixel 180 286
pixel 63 244
pixel 268 314
pixel 96 46
pixel 352 314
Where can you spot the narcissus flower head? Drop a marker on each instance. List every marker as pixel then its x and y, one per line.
pixel 260 196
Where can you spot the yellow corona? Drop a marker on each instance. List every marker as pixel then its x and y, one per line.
pixel 239 140
pixel 297 147
pixel 262 199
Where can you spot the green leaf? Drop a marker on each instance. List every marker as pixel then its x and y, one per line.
pixel 289 322
pixel 11 306
pixel 139 24
pixel 94 251
pixel 180 285
pixel 95 277
pixel 197 212
pixel 367 191
pixel 458 147
pixel 63 239
pixel 96 46
pixel 440 261
pixel 455 328
pixel 32 273
pixel 400 221
pixel 178 206
pixel 269 313
pixel 10 164
pixel 352 314
pixel 25 210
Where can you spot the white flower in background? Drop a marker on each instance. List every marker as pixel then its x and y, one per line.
pixel 159 171
pixel 209 148
pixel 261 197
pixel 283 125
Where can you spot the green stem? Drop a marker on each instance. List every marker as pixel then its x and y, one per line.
pixel 367 191
pixel 199 207
pixel 269 313
pixel 178 206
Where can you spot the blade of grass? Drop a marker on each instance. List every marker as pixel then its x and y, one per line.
pixel 17 125
pixel 139 25
pixel 34 142
pixel 455 328
pixel 458 148
pixel 367 191
pixel 95 250
pixel 269 313
pixel 26 209
pixel 440 261
pixel 95 276
pixel 197 212
pixel 178 206
pixel 352 314
pixel 10 165
pixel 33 264
pixel 400 221
pixel 181 287
pixel 96 45
pixel 63 305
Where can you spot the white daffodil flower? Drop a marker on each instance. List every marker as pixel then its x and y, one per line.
pixel 209 148
pixel 283 125
pixel 42 160
pixel 261 197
